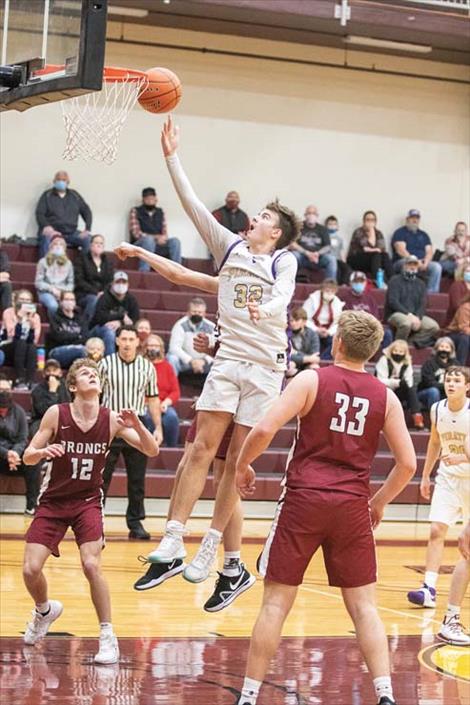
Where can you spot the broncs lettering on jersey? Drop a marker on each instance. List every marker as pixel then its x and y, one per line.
pixel 84 448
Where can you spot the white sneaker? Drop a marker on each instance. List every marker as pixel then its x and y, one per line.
pixel 453 632
pixel 198 570
pixel 170 548
pixel 38 628
pixel 109 649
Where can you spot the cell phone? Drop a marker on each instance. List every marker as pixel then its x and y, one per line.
pixel 28 308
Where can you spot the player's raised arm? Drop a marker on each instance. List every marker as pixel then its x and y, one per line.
pixel 129 427
pixel 172 271
pixel 217 238
pixel 39 448
pixel 398 438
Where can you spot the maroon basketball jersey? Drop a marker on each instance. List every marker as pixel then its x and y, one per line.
pixel 78 473
pixel 338 438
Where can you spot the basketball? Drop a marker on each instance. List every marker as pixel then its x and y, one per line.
pixel 162 92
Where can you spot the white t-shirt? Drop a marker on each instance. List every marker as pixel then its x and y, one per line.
pixel 453 427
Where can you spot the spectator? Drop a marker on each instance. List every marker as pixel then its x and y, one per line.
pixel 93 273
pixel 147 227
pixel 410 240
pixel 50 390
pixel 367 249
pixel 323 309
pixel 54 274
pixel 459 331
pixel 94 348
pixel 395 370
pixel 457 249
pixel 431 387
pixel 357 297
pixel 13 441
pixel 313 248
pixel 57 213
pixel 231 216
pixel 5 283
pixel 405 306
pixel 144 329
pixel 128 379
pixel 21 330
pixel 458 290
pixel 182 355
pixel 168 391
pixel 337 250
pixel 68 332
pixel 115 308
pixel 305 343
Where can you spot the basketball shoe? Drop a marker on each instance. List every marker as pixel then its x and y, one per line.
pixel 452 632
pixel 227 589
pixel 157 573
pixel 38 628
pixel 424 597
pixel 170 548
pixel 108 650
pixel 198 570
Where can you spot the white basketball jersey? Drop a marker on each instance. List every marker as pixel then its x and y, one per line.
pixel 453 427
pixel 245 277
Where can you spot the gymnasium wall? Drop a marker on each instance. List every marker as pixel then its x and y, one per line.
pixel 345 140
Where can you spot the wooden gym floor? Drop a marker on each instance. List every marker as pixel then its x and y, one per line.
pixel 174 652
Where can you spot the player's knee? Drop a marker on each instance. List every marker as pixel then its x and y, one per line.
pixel 438 531
pixel 361 609
pixel 91 567
pixel 202 449
pixel 31 569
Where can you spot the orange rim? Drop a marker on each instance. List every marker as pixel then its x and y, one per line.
pixel 111 74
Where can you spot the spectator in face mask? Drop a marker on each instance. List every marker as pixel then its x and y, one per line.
pixel 116 307
pixel 20 333
pixel 68 332
pixel 57 213
pixel 144 329
pixel 459 289
pixel 337 250
pixel 410 240
pixel 357 297
pixel 168 391
pixel 457 249
pixel 405 306
pixel 94 349
pixel 231 216
pixel 50 390
pixel 313 248
pixel 395 370
pixel 182 355
pixel 431 387
pixel 54 274
pixel 323 308
pixel 147 227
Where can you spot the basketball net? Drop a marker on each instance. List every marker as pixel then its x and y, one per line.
pixel 93 121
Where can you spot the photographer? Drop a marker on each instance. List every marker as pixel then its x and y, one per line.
pixel 21 330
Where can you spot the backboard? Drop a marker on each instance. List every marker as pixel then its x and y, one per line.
pixel 50 50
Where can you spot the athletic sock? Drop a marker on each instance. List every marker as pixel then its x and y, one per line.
pixel 430 578
pixel 215 533
pixel 43 608
pixel 175 527
pixel 452 611
pixel 232 566
pixel 250 692
pixel 383 686
pixel 106 628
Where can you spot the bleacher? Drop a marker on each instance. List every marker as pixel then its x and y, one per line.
pixel 163 303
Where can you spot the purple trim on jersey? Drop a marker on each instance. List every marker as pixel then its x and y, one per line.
pixel 227 254
pixel 273 266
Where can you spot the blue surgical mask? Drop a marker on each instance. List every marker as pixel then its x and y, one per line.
pixel 332 231
pixel 466 276
pixel 358 287
pixel 58 251
pixel 60 185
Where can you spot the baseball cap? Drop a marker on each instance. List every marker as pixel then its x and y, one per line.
pixel 52 362
pixel 358 277
pixel 411 259
pixel 414 213
pixel 120 275
pixel 149 191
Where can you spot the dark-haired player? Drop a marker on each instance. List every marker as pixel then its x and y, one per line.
pixel 74 438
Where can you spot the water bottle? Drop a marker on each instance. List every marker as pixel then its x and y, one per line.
pixel 380 281
pixel 41 358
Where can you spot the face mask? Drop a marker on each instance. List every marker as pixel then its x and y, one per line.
pixel 153 353
pixel 48 377
pixel 328 297
pixel 195 319
pixel 410 274
pixel 311 221
pixel 332 231
pixel 149 208
pixel 5 400
pixel 358 287
pixel 295 327
pixel 58 251
pixel 60 185
pixel 414 227
pixel 397 357
pixel 120 289
pixel 443 354
pixel 68 306
pixel 466 276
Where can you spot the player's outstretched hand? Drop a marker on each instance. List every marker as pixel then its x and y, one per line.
pixel 245 480
pixel 425 488
pixel 125 249
pixel 170 137
pixel 464 542
pixel 376 512
pixel 128 419
pixel 253 310
pixel 55 450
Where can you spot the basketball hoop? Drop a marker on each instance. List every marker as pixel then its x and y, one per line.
pixel 93 121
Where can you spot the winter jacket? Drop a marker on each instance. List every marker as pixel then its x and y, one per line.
pixel 88 279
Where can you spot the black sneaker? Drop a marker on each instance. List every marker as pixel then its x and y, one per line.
pixel 227 589
pixel 385 700
pixel 157 573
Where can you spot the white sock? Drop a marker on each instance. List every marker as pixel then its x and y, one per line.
pixel 383 686
pixel 231 564
pixel 430 578
pixel 215 533
pixel 42 607
pixel 250 692
pixel 106 627
pixel 175 527
pixel 452 611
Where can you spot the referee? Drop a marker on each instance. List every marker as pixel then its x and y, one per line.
pixel 128 380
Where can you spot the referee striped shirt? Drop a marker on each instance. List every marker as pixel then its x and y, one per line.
pixel 127 384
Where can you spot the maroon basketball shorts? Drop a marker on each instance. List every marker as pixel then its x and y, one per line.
pixel 52 519
pixel 224 443
pixel 306 519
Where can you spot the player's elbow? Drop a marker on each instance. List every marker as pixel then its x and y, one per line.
pixel 407 467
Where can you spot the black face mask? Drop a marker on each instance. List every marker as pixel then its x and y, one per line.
pixel 195 319
pixel 5 400
pixel 149 208
pixel 443 354
pixel 409 274
pixel 396 357
pixel 153 354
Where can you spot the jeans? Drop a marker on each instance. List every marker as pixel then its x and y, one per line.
pixel 409 396
pixel 325 348
pixel 136 465
pixel 326 262
pixel 2 357
pixel 88 304
pixel 172 250
pixel 448 266
pixel 462 346
pixel 429 396
pixel 422 337
pixel 72 240
pixel 5 295
pixel 107 335
pixel 180 366
pixel 31 476
pixel 66 354
pixel 432 275
pixel 49 301
pixel 170 424
pixel 23 357
pixel 387 339
pixel 370 263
